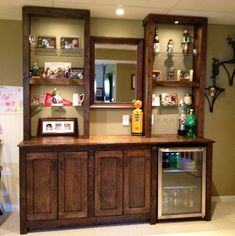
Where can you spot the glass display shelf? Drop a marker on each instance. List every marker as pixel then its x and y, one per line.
pixel 174 54
pixel 179 170
pixel 74 52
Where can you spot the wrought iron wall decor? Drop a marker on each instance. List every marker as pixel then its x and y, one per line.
pixel 213 91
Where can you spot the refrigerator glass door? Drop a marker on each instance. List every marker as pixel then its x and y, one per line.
pixel 181 186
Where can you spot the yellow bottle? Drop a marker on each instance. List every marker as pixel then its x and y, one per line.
pixel 137 119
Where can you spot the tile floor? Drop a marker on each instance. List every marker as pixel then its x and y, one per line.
pixel 222 224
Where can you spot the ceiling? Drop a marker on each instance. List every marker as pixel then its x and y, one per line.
pixel 217 11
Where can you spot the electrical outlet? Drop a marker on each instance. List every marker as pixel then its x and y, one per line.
pixel 125 120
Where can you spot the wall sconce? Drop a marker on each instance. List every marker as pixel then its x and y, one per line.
pixel 212 92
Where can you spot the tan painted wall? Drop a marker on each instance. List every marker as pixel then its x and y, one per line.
pixel 219 125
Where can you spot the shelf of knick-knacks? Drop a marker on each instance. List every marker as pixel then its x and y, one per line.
pixel 48 81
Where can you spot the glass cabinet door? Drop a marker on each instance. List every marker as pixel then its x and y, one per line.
pixel 181 182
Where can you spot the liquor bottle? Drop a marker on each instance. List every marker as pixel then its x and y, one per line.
pixel 182 118
pixel 156 43
pixel 190 124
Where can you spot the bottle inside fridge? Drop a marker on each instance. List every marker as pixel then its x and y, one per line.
pixel 181 186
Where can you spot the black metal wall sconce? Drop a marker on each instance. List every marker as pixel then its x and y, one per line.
pixel 212 92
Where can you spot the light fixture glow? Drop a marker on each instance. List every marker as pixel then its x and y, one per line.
pixel 176 22
pixel 120 11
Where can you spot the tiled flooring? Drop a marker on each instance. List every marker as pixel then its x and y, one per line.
pixel 222 224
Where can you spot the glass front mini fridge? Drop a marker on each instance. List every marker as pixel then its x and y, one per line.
pixel 181 182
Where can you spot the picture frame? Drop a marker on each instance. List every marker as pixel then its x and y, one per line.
pixel 133 81
pixel 169 100
pixel 57 127
pixel 157 75
pixel 75 73
pixel 70 42
pixel 46 42
pixel 186 75
pixel 99 92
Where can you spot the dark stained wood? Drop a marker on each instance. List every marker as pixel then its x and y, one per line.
pixel 154 186
pixel 47 81
pixel 176 83
pixel 73 181
pixel 137 181
pixel 91 184
pixel 28 13
pixel 108 183
pixel 41 185
pixel 139 69
pixel 59 143
pixel 199 63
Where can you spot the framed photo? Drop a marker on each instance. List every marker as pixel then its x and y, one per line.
pixel 99 92
pixel 133 81
pixel 69 42
pixel 169 99
pixel 75 73
pixel 185 75
pixel 57 127
pixel 46 42
pixel 157 75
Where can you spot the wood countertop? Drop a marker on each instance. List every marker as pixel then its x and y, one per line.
pixel 110 140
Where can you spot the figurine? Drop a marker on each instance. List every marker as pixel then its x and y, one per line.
pixel 35 69
pixel 185 42
pixel 56 98
pixel 170 46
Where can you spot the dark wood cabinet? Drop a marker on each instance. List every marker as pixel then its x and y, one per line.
pixel 122 182
pixel 41 184
pixel 108 183
pixel 73 182
pixel 137 181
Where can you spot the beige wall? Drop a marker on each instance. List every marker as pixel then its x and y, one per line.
pixel 219 125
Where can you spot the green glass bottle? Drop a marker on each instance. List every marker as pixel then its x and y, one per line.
pixel 190 124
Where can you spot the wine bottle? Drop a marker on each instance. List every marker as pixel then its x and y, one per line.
pixel 156 43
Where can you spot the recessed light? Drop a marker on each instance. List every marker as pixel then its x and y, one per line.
pixel 120 11
pixel 176 22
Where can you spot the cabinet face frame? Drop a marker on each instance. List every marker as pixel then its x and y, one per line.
pixel 199 65
pixel 28 13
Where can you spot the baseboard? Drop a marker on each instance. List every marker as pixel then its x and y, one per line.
pixel 223 198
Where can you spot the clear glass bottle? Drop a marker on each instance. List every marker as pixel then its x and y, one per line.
pixel 156 43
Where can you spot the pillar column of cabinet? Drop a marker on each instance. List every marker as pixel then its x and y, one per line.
pixel 199 25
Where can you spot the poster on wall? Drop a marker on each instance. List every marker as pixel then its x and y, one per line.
pixel 11 99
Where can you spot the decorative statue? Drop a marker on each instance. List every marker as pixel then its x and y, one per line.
pixel 185 42
pixel 170 46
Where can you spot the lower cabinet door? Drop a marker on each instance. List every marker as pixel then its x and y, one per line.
pixel 108 183
pixel 137 181
pixel 73 184
pixel 41 185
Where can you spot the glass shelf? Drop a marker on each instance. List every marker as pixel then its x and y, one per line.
pixel 174 54
pixel 74 52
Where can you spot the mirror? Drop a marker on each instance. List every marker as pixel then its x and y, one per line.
pixel 116 72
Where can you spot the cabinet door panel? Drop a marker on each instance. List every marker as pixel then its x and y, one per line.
pixel 108 183
pixel 137 181
pixel 73 192
pixel 41 186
